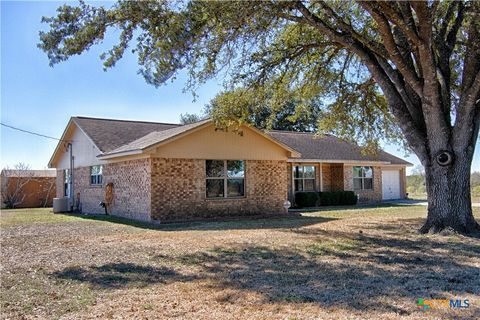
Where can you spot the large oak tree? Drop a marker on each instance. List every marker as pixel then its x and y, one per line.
pixel 411 65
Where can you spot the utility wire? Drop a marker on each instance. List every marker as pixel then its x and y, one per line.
pixel 30 132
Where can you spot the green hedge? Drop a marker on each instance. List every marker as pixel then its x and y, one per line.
pixel 338 198
pixel 306 199
pixel 335 198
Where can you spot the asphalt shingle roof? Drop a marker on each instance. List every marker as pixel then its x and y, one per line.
pixel 327 147
pixel 156 137
pixel 109 134
pixel 118 136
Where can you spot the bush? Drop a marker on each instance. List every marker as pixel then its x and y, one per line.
pixel 335 198
pixel 306 199
pixel 338 198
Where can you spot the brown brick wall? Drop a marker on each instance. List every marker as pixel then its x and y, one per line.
pixel 178 190
pixel 327 176
pixel 364 195
pixel 90 196
pixel 131 189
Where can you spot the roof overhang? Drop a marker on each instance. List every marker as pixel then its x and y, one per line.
pixel 61 143
pixel 358 162
pixel 340 161
pixel 114 155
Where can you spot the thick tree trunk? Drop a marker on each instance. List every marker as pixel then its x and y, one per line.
pixel 449 199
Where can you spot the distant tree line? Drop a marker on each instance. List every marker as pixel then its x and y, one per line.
pixel 416 182
pixel 292 116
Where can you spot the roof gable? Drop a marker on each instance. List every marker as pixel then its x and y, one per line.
pixel 106 134
pixel 110 134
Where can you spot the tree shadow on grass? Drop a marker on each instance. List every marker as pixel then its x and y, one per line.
pixel 354 271
pixel 221 223
pixel 344 270
pixel 413 225
pixel 120 275
pixel 357 207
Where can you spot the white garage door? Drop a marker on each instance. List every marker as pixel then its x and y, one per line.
pixel 390 184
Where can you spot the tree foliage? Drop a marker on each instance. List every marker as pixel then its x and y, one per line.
pixel 242 106
pixel 187 118
pixel 298 51
pixel 260 50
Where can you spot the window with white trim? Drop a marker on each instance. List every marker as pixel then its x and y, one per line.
pixel 363 178
pixel 66 182
pixel 225 178
pixel 304 178
pixel 96 175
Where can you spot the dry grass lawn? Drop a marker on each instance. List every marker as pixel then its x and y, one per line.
pixel 362 263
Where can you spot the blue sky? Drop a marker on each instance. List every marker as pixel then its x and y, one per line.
pixel 39 98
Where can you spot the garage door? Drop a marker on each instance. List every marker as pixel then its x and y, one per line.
pixel 390 184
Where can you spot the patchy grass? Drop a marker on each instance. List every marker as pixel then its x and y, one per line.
pixel 335 246
pixel 32 216
pixel 337 263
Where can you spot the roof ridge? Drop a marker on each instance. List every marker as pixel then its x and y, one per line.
pixel 125 120
pixel 301 132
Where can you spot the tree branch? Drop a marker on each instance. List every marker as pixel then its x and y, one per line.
pixel 386 32
pixel 395 17
pixel 414 135
pixel 348 29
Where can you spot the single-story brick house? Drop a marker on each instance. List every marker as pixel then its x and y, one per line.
pixel 166 172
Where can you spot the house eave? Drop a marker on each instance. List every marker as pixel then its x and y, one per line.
pixel 299 160
pixel 61 142
pixel 119 154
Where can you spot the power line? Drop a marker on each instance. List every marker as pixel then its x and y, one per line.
pixel 31 132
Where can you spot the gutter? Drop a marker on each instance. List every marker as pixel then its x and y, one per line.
pixel 119 154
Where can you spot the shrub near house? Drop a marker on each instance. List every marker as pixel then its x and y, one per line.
pixel 334 198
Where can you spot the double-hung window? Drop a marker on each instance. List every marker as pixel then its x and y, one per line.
pixel 96 175
pixel 363 178
pixel 66 182
pixel 304 178
pixel 225 178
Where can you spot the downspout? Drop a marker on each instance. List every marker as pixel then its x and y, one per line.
pixel 321 177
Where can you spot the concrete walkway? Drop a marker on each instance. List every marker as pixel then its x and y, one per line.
pixel 410 202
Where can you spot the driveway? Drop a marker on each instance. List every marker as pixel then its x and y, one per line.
pixel 411 202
